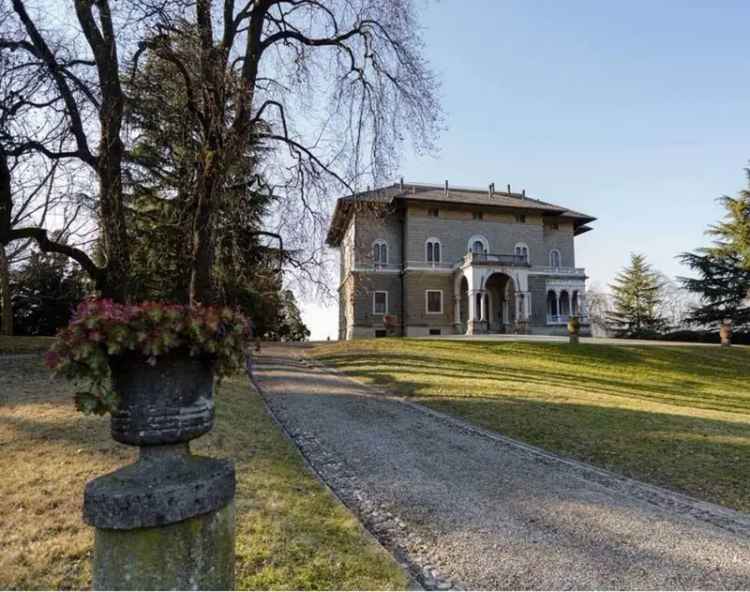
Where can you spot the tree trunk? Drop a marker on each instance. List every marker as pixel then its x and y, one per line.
pixel 6 306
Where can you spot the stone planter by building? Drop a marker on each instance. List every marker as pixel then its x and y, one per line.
pixel 574 329
pixel 166 521
pixel 725 332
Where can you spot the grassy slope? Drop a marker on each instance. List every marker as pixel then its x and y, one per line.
pixel 291 533
pixel 674 416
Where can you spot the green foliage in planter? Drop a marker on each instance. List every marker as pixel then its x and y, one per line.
pixel 102 328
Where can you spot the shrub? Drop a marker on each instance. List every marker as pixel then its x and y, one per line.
pixel 101 329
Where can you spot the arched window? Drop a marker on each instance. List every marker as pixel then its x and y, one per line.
pixel 380 252
pixel 554 258
pixel 522 252
pixel 478 244
pixel 432 250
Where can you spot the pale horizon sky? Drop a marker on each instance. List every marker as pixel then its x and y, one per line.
pixel 635 113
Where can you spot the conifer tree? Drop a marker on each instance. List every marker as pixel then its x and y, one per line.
pixel 724 268
pixel 636 295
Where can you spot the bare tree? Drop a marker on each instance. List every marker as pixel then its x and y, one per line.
pixel 335 87
pixel 40 185
pixel 676 303
pixel 598 303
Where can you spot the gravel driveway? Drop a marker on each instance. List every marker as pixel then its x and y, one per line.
pixel 467 508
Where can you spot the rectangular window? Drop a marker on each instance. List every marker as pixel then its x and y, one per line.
pixel 478 215
pixel 380 333
pixel 433 212
pixel 435 332
pixel 521 218
pixel 380 303
pixel 434 302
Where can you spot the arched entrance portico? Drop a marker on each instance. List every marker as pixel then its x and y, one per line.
pixel 490 296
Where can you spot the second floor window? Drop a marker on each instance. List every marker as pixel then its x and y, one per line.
pixel 433 212
pixel 433 251
pixel 554 258
pixel 478 215
pixel 478 247
pixel 522 251
pixel 380 253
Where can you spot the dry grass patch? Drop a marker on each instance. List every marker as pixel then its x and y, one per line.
pixel 24 345
pixel 291 532
pixel 674 416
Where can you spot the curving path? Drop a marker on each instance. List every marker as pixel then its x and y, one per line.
pixel 462 507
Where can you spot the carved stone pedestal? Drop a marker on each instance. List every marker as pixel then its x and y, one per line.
pixel 167 521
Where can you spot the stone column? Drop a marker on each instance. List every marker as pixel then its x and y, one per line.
pixel 167 521
pixel 473 325
pixel 457 312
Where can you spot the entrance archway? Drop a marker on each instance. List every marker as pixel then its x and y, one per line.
pixel 501 303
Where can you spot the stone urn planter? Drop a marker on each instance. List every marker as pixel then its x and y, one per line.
pixel 725 332
pixel 166 521
pixel 166 403
pixel 574 329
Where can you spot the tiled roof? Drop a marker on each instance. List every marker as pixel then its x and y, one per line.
pixel 437 194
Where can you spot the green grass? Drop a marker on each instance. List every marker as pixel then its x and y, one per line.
pixel 24 345
pixel 674 416
pixel 291 532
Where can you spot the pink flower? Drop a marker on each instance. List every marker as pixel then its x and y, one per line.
pixel 52 359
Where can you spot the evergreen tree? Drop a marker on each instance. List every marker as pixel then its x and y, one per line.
pixel 724 268
pixel 45 291
pixel 636 297
pixel 292 327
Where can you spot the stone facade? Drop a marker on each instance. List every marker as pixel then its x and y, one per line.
pixel 472 264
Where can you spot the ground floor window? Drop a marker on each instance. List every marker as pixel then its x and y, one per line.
pixel 435 332
pixel 381 333
pixel 380 303
pixel 434 299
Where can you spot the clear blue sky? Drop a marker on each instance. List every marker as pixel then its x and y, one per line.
pixel 635 112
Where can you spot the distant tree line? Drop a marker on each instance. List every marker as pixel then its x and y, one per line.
pixel 645 303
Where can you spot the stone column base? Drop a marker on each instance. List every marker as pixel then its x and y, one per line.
pixel 195 554
pixel 163 523
pixel 476 328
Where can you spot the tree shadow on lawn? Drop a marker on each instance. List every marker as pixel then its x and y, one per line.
pixel 698 360
pixel 394 370
pixel 705 458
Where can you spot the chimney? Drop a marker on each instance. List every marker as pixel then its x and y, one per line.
pixel 446 188
pixel 508 188
pixel 492 190
pixel 523 194
pixel 401 184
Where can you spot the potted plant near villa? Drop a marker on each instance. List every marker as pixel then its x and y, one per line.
pixel 574 328
pixel 390 322
pixel 725 332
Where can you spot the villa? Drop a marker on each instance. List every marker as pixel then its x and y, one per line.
pixel 419 260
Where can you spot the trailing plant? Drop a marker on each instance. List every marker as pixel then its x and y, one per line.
pixel 101 329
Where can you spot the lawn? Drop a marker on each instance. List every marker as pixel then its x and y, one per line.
pixel 291 532
pixel 674 416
